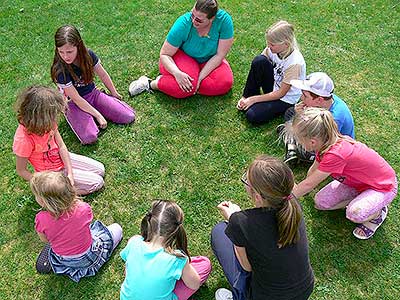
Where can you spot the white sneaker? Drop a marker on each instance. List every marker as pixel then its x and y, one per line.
pixel 223 294
pixel 138 86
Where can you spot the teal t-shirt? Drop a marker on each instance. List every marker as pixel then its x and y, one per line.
pixel 150 274
pixel 184 36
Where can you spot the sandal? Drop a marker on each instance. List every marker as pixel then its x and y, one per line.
pixel 367 230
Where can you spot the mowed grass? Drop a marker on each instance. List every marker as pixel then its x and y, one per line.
pixel 194 151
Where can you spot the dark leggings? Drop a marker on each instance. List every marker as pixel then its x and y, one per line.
pixel 238 278
pixel 261 76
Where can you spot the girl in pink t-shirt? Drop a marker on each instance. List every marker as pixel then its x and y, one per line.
pixel 75 247
pixel 365 184
pixel 38 141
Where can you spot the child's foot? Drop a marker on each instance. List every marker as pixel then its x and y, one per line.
pixel 138 86
pixel 291 155
pixel 367 229
pixel 223 294
pixel 43 265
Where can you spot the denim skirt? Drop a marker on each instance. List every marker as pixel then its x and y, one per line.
pixel 91 261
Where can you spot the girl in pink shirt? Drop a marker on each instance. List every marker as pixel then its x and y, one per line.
pixel 75 247
pixel 38 141
pixel 365 184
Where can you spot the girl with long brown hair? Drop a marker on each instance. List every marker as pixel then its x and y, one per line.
pixel 73 70
pixel 263 251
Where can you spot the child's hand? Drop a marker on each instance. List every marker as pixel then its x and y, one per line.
pixel 101 121
pixel 245 103
pixel 299 107
pixel 71 179
pixel 116 95
pixel 227 208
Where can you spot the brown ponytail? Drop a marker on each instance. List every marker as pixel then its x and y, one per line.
pixel 273 181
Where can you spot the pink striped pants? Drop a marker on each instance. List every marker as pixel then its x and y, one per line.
pixel 88 173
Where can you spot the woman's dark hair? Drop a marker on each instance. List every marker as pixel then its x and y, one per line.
pixel 208 7
pixel 165 219
pixel 68 34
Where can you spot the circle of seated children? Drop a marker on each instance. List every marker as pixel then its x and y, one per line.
pixel 319 129
pixel 192 58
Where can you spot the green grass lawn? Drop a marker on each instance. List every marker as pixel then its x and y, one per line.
pixel 194 151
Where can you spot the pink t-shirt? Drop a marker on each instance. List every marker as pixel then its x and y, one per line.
pixel 41 151
pixel 70 233
pixel 358 166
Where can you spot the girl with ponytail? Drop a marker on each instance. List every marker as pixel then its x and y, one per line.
pixel 364 183
pixel 263 251
pixel 158 264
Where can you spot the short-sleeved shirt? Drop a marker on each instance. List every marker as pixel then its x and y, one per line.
pixel 342 115
pixel 67 80
pixel 354 164
pixel 184 35
pixel 292 67
pixel 70 233
pixel 277 273
pixel 150 274
pixel 42 151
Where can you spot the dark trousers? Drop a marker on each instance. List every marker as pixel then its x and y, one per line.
pixel 237 277
pixel 261 76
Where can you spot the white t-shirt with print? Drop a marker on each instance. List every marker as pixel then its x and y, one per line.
pixel 291 67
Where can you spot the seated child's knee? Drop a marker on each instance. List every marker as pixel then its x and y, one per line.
pixel 321 203
pixel 356 214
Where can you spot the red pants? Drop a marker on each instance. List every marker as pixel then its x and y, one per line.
pixel 218 82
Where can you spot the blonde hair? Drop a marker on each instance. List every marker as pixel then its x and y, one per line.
pixel 54 191
pixel 38 108
pixel 315 122
pixel 274 181
pixel 282 32
pixel 165 219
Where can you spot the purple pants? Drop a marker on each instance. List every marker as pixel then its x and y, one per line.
pixel 112 109
pixel 202 265
pixel 359 206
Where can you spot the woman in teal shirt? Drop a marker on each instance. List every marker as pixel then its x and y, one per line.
pixel 192 58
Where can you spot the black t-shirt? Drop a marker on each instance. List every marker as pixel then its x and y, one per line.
pixel 66 80
pixel 283 273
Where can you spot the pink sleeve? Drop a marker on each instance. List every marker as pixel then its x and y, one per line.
pixel 23 145
pixel 332 163
pixel 87 209
pixel 39 223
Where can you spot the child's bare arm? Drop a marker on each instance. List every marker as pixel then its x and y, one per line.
pixel 21 167
pixel 190 277
pixel 42 237
pixel 64 154
pixel 241 255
